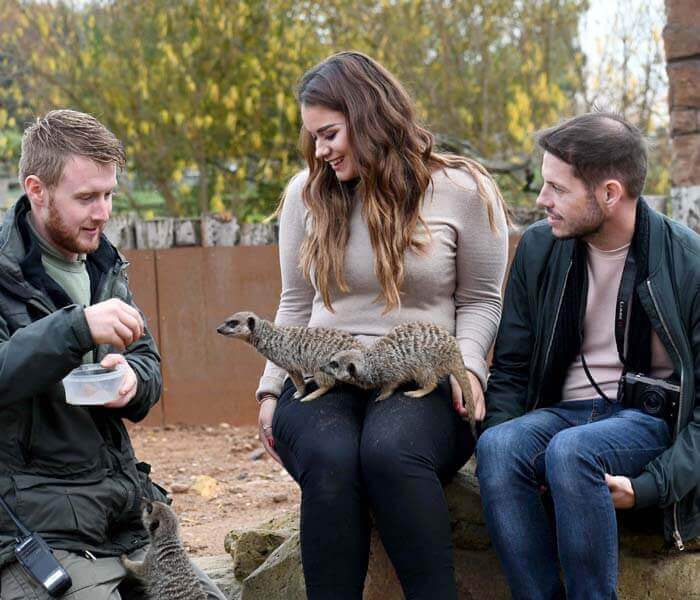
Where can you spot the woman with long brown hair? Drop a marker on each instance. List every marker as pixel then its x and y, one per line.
pixel 379 230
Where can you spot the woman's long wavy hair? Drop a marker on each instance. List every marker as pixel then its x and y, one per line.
pixel 394 158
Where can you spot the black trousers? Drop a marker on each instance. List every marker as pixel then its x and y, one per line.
pixel 351 455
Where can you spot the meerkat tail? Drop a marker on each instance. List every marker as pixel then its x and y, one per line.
pixel 460 373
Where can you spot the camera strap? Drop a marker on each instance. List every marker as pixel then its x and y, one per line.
pixel 625 295
pixel 15 519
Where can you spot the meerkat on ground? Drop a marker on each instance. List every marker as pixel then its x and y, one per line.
pixel 415 351
pixel 165 572
pixel 297 350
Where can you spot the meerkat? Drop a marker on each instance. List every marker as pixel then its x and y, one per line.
pixel 297 350
pixel 415 351
pixel 165 572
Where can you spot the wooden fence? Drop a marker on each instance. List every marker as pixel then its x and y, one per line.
pixel 185 293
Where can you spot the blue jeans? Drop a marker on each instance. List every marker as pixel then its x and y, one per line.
pixel 568 448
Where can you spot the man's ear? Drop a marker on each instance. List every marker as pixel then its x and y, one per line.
pixel 613 192
pixel 36 190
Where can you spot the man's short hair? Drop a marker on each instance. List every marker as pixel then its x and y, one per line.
pixel 53 138
pixel 600 146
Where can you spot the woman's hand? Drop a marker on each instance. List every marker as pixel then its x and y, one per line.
pixel 267 410
pixel 477 395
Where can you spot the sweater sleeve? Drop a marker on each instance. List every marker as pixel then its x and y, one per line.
pixel 297 294
pixel 482 256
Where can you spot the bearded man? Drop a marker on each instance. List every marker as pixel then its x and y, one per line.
pixel 69 472
pixel 593 400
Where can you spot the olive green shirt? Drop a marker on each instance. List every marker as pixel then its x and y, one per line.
pixel 71 275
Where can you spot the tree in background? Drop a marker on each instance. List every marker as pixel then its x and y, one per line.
pixel 630 77
pixel 205 85
pixel 202 92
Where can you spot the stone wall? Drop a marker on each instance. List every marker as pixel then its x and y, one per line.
pixel 682 42
pixel 265 561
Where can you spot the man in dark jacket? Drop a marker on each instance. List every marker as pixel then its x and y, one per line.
pixel 69 472
pixel 604 290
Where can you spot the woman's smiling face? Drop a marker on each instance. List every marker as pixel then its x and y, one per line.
pixel 329 130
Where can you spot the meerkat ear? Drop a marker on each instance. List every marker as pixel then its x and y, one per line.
pixel 251 323
pixel 352 369
pixel 153 526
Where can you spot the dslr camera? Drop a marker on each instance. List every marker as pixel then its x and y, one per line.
pixel 655 397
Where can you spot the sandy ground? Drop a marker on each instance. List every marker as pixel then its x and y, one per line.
pixel 219 478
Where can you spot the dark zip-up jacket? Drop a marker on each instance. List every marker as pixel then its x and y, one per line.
pixel 671 298
pixel 69 472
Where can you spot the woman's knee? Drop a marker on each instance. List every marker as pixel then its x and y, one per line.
pixel 380 459
pixel 329 467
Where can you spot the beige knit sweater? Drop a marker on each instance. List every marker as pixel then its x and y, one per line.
pixel 456 284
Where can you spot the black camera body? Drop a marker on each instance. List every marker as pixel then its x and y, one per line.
pixel 655 397
pixel 38 561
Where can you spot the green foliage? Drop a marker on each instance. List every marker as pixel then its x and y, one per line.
pixel 10 141
pixel 202 92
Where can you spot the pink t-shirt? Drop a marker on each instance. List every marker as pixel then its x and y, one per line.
pixel 604 273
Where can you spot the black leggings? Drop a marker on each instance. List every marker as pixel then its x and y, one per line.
pixel 349 454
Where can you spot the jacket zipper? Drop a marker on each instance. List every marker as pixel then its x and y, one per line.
pixel 676 534
pixel 554 326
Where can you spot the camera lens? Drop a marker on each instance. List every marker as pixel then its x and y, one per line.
pixel 652 402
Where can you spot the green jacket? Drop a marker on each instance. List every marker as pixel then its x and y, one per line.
pixel 69 472
pixel 671 299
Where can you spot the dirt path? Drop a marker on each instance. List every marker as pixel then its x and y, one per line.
pixel 218 478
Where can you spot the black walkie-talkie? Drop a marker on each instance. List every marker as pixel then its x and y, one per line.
pixel 37 559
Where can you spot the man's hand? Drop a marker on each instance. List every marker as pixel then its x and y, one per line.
pixel 621 490
pixel 477 394
pixel 129 385
pixel 114 322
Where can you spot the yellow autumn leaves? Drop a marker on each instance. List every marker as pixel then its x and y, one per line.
pixel 207 86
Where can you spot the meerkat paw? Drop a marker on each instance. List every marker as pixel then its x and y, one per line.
pixel 132 567
pixel 316 394
pixel 300 393
pixel 424 391
pixel 384 393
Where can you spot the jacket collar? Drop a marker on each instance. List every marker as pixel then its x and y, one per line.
pixel 657 229
pixel 16 248
pixel 657 233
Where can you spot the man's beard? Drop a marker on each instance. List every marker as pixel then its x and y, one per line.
pixel 590 224
pixel 62 236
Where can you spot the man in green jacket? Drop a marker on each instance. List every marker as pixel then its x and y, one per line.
pixel 592 403
pixel 69 472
